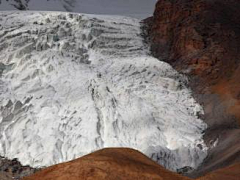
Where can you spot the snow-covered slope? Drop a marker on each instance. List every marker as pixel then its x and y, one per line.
pixel 71 84
pixel 133 8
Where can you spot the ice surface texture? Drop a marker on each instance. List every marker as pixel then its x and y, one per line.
pixel 71 84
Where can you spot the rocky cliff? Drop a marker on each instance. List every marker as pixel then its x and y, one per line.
pixel 202 40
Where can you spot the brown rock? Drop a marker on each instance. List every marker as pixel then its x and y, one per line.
pixel 121 164
pixel 201 38
pixel 108 164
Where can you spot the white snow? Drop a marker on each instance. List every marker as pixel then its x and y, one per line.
pixel 71 84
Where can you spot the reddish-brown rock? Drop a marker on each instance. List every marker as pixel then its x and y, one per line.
pixel 108 164
pixel 121 164
pixel 201 38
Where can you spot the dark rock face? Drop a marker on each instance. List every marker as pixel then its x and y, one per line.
pixel 201 39
pixel 12 169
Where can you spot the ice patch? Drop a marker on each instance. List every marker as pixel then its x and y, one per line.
pixel 78 83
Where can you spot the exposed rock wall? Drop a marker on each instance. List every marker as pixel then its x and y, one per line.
pixel 201 38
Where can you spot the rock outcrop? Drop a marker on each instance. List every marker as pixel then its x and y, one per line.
pixel 202 40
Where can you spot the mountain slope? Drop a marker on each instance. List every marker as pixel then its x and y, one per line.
pixel 72 84
pixel 231 173
pixel 201 39
pixel 122 164
pixel 110 164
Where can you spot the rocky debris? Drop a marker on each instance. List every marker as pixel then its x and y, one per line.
pixel 12 169
pixel 108 164
pixel 202 39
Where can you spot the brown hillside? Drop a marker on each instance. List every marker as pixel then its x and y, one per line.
pixel 121 164
pixel 108 164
